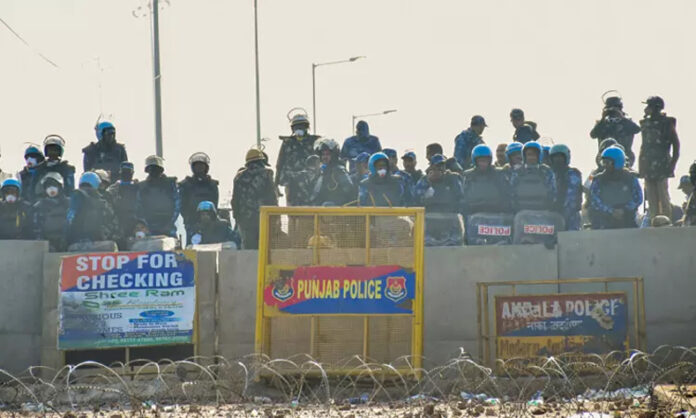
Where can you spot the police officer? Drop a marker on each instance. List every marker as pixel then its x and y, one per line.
pixel 500 155
pixel 525 130
pixel 106 153
pixel 381 188
pixel 533 184
pixel 210 228
pixel 361 142
pixel 690 210
pixel 615 124
pixel 465 142
pixel 294 151
pixel 158 199
pixel 15 221
pixel 409 162
pixel 253 188
pixel 485 187
pixel 615 193
pixel 54 147
pixel 568 186
pixel 302 183
pixel 440 192
pixel 513 155
pixel 432 149
pixel 393 160
pixel 50 213
pixel 333 187
pixel 90 217
pixel 122 195
pixel 362 171
pixel 197 188
pixel 29 174
pixel 655 164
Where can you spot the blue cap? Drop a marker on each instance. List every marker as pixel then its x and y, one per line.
pixel 437 159
pixel 32 150
pixel 409 154
pixel 389 152
pixel 362 157
pixel 478 120
pixel 127 164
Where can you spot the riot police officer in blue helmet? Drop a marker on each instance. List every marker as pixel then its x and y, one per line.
pixel 533 184
pixel 485 187
pixel 615 193
pixel 381 187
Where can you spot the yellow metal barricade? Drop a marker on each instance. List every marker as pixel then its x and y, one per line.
pixel 341 282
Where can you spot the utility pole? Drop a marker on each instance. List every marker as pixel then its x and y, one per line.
pixel 157 78
pixel 256 57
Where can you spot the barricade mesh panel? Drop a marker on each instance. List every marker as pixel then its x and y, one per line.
pixel 331 239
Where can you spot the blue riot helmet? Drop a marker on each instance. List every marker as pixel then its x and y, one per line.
pixel 512 148
pixel 373 160
pixel 91 179
pixel 206 206
pixel 101 126
pixel 533 145
pixel 12 183
pixel 479 151
pixel 616 155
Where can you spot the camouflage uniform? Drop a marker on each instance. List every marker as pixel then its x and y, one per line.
pixel 122 197
pixel 569 188
pixel 253 188
pixel 90 217
pixel 301 184
pixel 291 158
pixel 655 164
pixel 463 144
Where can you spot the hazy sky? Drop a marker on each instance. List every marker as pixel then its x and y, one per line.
pixel 438 62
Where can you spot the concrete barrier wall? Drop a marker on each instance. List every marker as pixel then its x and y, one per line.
pixel 664 257
pixel 227 290
pixel 21 277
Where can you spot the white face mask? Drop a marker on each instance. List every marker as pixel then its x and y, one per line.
pixel 382 172
pixel 31 161
pixel 10 198
pixel 140 234
pixel 52 191
pixel 299 132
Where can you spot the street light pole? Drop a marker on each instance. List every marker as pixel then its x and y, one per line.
pixel 314 84
pixel 385 112
pixel 314 97
pixel 256 58
pixel 157 78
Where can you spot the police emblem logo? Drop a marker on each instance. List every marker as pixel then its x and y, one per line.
pixel 282 289
pixel 396 288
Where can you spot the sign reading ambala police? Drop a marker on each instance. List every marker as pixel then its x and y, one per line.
pixel 542 325
pixel 126 299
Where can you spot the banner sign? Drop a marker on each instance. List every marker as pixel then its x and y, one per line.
pixel 340 290
pixel 126 299
pixel 542 325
